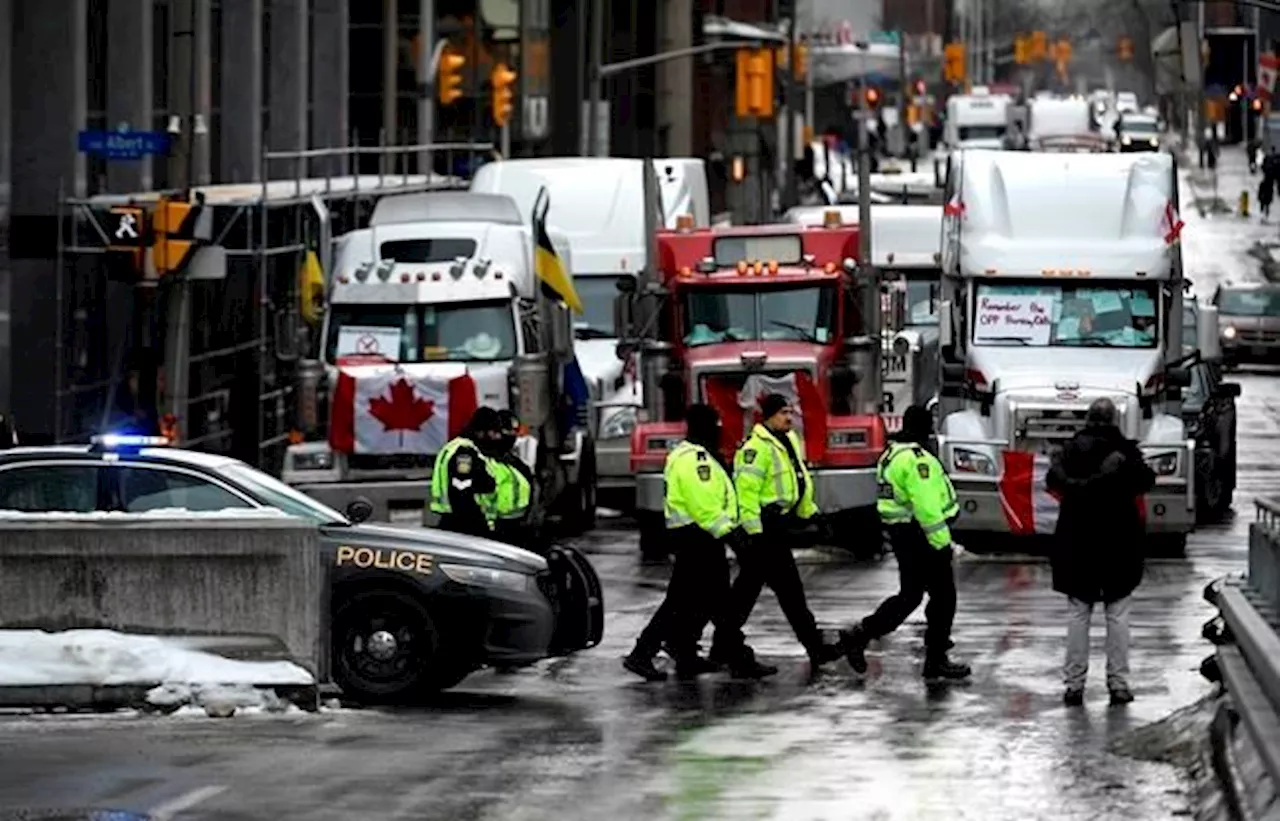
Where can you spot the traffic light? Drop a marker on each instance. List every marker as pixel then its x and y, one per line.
pixel 1039 46
pixel 800 65
pixel 449 77
pixel 501 79
pixel 175 238
pixel 953 63
pixel 754 95
pixel 1021 50
pixel 871 97
pixel 1124 49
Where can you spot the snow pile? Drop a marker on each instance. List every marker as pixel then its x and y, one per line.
pixel 106 657
pixel 159 513
pixel 217 700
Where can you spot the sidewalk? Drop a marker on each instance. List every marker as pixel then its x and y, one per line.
pixel 1218 244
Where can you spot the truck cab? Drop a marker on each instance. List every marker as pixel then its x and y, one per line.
pixel 906 250
pixel 437 288
pixel 737 313
pixel 978 120
pixel 608 209
pixel 1062 283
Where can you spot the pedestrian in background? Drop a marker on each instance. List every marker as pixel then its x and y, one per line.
pixel 1266 190
pixel 916 504
pixel 1099 542
pixel 701 510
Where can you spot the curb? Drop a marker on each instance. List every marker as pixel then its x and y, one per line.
pixel 109 698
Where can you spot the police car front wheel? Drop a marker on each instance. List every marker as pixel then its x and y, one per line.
pixel 386 649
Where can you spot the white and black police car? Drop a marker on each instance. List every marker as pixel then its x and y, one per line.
pixel 412 611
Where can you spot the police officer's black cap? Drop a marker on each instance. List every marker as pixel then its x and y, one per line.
pixel 508 420
pixel 771 404
pixel 485 419
pixel 917 419
pixel 701 416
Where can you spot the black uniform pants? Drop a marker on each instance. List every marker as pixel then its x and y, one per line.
pixel 922 569
pixel 473 525
pixel 699 585
pixel 768 560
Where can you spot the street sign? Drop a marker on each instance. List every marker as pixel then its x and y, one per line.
pixel 124 145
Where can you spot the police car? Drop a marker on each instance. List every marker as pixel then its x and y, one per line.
pixel 412 611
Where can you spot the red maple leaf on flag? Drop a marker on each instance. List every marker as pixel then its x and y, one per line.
pixel 401 409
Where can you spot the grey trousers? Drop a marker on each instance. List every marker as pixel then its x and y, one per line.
pixel 1079 616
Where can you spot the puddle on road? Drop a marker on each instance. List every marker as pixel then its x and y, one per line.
pixel 72 815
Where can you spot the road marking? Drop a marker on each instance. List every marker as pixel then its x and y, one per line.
pixel 170 808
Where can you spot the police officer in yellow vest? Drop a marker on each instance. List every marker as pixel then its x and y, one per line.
pixel 513 485
pixel 462 482
pixel 775 500
pixel 916 503
pixel 701 509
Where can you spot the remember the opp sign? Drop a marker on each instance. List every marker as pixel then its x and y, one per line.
pixel 1022 317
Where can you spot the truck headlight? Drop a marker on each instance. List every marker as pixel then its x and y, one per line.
pixel 489 577
pixel 1164 464
pixel 1229 332
pixel 964 460
pixel 312 460
pixel 619 425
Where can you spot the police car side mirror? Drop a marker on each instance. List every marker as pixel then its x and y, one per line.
pixel 359 510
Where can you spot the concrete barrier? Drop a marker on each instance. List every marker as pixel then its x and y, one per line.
pixel 259 578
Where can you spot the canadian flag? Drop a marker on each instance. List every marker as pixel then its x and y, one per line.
pixel 1171 223
pixel 1268 64
pixel 386 410
pixel 1028 507
pixel 739 408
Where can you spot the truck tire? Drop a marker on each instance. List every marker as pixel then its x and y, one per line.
pixel 1167 546
pixel 859 532
pixel 1213 496
pixel 654 545
pixel 386 649
pixel 580 500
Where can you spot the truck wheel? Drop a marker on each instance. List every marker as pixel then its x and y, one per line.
pixel 1167 546
pixel 860 533
pixel 654 545
pixel 385 649
pixel 580 501
pixel 1212 499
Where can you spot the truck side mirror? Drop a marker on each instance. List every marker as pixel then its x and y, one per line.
pixel 1177 378
pixel 1227 390
pixel 622 314
pixel 946 331
pixel 1207 339
pixel 561 328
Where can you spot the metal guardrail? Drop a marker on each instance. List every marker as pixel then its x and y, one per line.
pixel 1248 659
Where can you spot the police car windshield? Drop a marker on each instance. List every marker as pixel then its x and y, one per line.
pixel 447 332
pixel 597 292
pixel 1042 315
pixel 805 314
pixel 274 493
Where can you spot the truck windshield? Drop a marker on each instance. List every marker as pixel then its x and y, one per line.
pixel 1131 126
pixel 1066 315
pixel 922 295
pixel 1249 303
pixel 597 292
pixel 805 314
pixel 981 132
pixel 449 332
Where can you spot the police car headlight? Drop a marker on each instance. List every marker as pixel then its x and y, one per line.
pixel 489 577
pixel 619 424
pixel 312 460
pixel 1164 464
pixel 964 460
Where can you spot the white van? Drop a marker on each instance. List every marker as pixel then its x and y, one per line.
pixel 683 182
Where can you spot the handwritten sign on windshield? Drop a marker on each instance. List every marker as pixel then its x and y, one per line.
pixel 1014 318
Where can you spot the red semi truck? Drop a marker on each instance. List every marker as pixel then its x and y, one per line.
pixel 732 314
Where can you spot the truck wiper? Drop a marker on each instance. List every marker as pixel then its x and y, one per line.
pixel 807 334
pixel 591 333
pixel 1094 342
pixel 1017 339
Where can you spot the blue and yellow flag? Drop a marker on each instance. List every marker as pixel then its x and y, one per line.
pixel 550 269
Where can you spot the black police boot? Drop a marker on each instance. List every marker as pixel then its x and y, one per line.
pixel 746 666
pixel 854 641
pixel 940 668
pixel 643 667
pixel 824 653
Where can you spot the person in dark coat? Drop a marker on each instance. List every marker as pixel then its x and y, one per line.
pixel 8 433
pixel 1098 556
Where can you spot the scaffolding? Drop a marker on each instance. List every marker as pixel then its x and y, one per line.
pixel 213 362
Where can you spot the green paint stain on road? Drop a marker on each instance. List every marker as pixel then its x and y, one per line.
pixel 701 780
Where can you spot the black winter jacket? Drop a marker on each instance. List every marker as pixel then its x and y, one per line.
pixel 1098 550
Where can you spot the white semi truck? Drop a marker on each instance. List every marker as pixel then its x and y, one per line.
pixel 1062 283
pixel 432 310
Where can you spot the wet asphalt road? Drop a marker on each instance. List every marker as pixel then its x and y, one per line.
pixel 582 739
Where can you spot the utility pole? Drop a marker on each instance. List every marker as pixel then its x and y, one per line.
pixel 594 79
pixel 426 86
pixel 790 139
pixel 868 280
pixel 184 120
pixel 390 92
pixel 903 127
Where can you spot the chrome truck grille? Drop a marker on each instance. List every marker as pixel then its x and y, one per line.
pixel 1257 336
pixel 1041 430
pixel 403 462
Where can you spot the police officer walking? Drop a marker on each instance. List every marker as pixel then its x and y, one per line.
pixel 513 485
pixel 916 503
pixel 775 501
pixel 463 479
pixel 701 509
